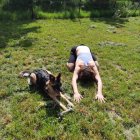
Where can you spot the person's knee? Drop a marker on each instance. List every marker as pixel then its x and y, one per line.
pixel 70 66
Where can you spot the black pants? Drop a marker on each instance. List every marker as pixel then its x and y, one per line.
pixel 73 55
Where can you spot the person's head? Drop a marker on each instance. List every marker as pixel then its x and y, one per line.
pixel 86 73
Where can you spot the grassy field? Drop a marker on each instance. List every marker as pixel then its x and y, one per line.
pixel 46 44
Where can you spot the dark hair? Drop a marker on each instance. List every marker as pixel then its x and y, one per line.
pixel 86 73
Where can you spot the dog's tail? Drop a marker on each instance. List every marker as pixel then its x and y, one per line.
pixel 23 74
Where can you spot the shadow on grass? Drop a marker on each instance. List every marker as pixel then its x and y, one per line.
pixel 112 21
pixel 52 108
pixel 10 31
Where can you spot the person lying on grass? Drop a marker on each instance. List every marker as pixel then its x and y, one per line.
pixel 84 66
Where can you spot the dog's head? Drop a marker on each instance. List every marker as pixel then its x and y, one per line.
pixel 55 82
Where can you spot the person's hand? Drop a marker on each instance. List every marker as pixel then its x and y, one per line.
pixel 77 97
pixel 100 98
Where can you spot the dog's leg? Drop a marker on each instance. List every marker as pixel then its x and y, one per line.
pixel 64 97
pixel 63 106
pixel 64 112
pixel 68 97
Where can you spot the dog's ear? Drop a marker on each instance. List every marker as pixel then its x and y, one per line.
pixel 52 78
pixel 58 77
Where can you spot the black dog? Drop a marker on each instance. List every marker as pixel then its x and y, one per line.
pixel 44 80
pixel 38 79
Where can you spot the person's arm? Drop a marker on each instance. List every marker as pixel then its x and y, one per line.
pixel 99 94
pixel 77 96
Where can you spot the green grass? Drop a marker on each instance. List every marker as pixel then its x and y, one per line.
pixel 69 14
pixel 46 44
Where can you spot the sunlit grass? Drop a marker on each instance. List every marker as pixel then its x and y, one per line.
pixel 47 44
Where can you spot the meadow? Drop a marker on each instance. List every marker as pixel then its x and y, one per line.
pixel 46 44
